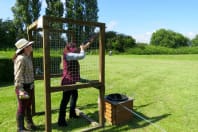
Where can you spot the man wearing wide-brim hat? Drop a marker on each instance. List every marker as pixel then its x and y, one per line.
pixel 21 44
pixel 24 83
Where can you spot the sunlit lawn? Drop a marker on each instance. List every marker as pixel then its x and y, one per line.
pixel 164 88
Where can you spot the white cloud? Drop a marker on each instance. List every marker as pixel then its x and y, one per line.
pixel 63 1
pixel 190 35
pixel 143 38
pixel 111 25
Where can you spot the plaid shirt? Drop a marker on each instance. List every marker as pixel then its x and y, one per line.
pixel 23 71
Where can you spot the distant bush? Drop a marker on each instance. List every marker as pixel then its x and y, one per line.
pixel 150 49
pixel 187 50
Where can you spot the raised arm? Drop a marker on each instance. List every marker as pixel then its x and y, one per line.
pixel 90 40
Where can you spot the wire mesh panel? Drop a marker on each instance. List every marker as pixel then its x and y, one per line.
pixel 59 34
pixel 38 53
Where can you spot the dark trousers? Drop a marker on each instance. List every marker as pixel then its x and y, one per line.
pixel 24 109
pixel 73 94
pixel 24 105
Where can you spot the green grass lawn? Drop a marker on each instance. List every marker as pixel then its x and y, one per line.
pixel 164 88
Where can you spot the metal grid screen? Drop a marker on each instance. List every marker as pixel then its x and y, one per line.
pixel 58 35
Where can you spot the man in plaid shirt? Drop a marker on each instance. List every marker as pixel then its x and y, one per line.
pixel 24 84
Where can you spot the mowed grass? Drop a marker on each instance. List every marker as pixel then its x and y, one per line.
pixel 164 88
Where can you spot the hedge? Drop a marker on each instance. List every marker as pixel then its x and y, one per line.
pixel 7 67
pixel 6 70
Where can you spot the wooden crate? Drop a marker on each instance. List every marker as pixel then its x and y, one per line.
pixel 115 113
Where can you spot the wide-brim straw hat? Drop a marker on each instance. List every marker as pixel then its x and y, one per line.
pixel 21 44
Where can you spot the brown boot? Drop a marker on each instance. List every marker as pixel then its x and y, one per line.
pixel 30 124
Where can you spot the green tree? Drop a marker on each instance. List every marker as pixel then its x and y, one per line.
pixel 181 40
pixel 128 42
pixel 118 42
pixel 91 10
pixel 25 12
pixel 54 8
pixel 69 8
pixel 109 39
pixel 116 45
pixel 91 14
pixel 195 41
pixel 36 8
pixel 7 34
pixel 168 38
pixel 124 42
pixel 85 10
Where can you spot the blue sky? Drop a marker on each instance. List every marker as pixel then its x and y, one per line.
pixel 140 18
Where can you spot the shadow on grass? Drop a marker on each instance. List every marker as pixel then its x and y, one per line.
pixel 136 122
pixel 43 113
pixel 139 123
pixel 73 125
pixel 82 124
pixel 79 124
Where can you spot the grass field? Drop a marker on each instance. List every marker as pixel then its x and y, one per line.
pixel 164 88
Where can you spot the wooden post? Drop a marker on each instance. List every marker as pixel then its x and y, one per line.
pixel 46 62
pixel 102 73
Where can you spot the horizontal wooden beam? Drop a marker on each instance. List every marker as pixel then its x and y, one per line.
pixel 95 84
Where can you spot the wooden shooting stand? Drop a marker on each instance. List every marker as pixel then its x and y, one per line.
pixel 47 26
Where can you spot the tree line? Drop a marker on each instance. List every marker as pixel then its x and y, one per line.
pixel 27 11
pixel 162 38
